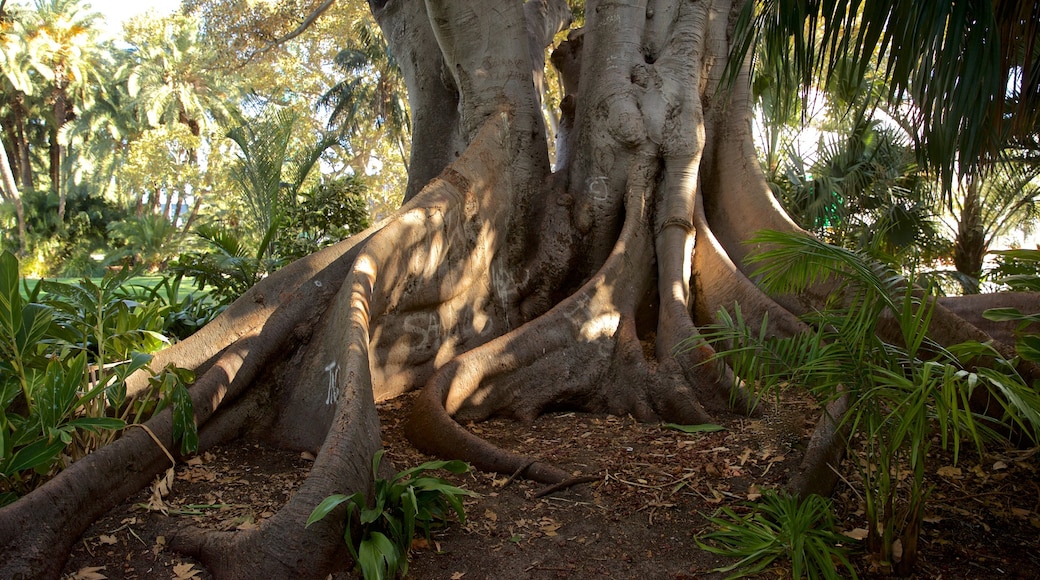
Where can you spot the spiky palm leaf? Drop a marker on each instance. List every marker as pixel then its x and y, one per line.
pixel 373 89
pixel 953 61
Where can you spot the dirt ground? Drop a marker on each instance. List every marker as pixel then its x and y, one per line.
pixel 639 518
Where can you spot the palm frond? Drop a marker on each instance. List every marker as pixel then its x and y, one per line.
pixel 794 262
pixel 953 60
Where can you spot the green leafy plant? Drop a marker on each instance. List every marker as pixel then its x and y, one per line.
pixel 780 526
pixel 183 313
pixel 407 501
pixel 1018 269
pixel 903 394
pixel 66 351
pixel 228 266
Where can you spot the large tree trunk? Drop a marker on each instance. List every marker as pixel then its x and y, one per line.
pixel 502 287
pixel 10 193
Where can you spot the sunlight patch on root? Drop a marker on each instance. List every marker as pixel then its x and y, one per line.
pixel 583 353
pixel 248 315
pixel 283 546
pixel 339 369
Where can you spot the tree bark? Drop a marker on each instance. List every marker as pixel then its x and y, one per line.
pixel 10 191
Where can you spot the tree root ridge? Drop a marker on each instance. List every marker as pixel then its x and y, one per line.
pixel 584 350
pixel 566 484
pixel 818 471
pixel 37 531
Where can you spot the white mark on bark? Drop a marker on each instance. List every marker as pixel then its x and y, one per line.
pixel 333 395
pixel 317 283
pixel 425 328
pixel 598 187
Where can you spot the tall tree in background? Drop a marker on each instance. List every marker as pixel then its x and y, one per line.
pixel 371 96
pixel 171 76
pixel 17 85
pixel 993 202
pixel 507 286
pixel 62 41
pixel 7 67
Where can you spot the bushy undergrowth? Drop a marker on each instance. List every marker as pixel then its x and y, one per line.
pixel 66 350
pixel 905 393
pixel 780 526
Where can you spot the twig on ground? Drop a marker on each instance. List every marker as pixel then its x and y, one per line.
pixel 565 484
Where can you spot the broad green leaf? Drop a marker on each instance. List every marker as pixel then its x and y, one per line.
pixel 35 320
pixel 57 395
pixel 97 424
pixel 705 428
pixel 378 557
pixel 1004 314
pixel 1029 347
pixel 40 454
pixel 327 505
pixel 10 297
pixel 184 428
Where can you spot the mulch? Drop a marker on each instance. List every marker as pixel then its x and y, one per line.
pixel 640 517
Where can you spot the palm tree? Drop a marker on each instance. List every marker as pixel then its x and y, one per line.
pixel 10 76
pixel 371 96
pixel 995 201
pixel 16 84
pixel 62 43
pixel 949 63
pixel 268 173
pixel 862 190
pixel 169 76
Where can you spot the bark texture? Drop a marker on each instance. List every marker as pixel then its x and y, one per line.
pixel 503 286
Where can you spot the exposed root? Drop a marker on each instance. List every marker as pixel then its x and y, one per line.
pixel 37 531
pixel 566 484
pixel 818 471
pixel 584 353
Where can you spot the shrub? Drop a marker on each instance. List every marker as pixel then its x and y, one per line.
pixel 67 350
pixel 903 394
pixel 405 501
pixel 780 526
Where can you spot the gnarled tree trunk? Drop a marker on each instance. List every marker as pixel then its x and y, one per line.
pixel 502 287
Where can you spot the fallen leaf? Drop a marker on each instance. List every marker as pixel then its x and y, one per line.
pixel 1021 513
pixel 185 571
pixel 950 471
pixel 457 575
pixel 856 533
pixel 89 573
pixel 491 515
pixel 754 493
pixel 249 524
pixel 999 465
pixel 160 544
pixel 106 539
pixel 160 489
pixel 549 527
pixel 307 455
